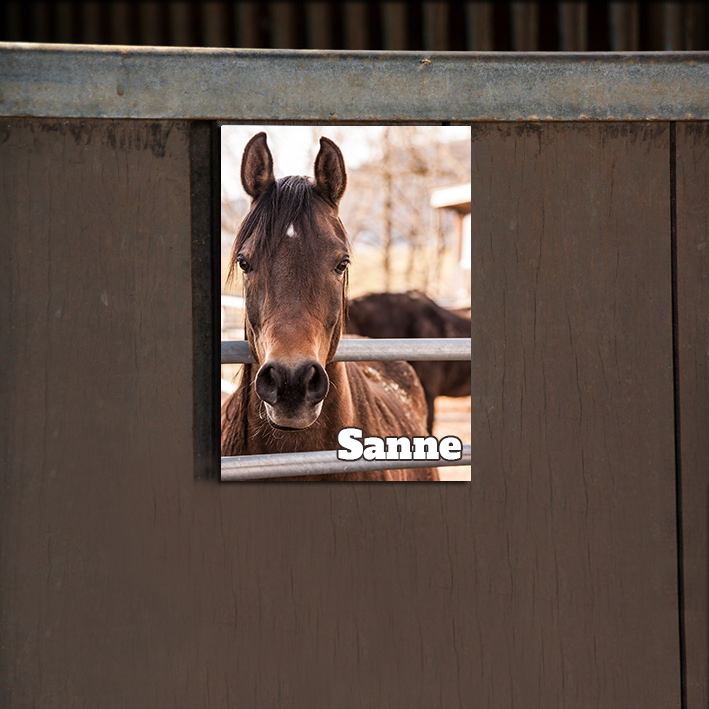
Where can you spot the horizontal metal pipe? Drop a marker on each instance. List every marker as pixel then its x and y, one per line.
pixel 278 465
pixel 376 350
pixel 306 86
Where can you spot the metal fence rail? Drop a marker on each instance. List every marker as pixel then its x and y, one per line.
pixel 277 465
pixel 63 81
pixel 377 350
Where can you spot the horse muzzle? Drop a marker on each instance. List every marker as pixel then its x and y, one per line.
pixel 293 395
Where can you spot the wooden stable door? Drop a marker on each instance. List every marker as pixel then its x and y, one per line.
pixel 573 415
pixel 567 573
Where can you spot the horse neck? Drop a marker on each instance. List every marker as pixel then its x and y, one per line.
pixel 339 403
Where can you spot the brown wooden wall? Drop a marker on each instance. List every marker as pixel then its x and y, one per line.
pixel 692 382
pixel 571 571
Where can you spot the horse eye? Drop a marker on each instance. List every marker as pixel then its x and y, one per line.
pixel 243 264
pixel 342 266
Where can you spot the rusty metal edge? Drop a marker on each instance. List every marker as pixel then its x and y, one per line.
pixel 311 86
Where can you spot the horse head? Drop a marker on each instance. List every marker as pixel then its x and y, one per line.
pixel 293 252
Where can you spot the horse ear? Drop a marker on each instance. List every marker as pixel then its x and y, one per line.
pixel 330 175
pixel 257 167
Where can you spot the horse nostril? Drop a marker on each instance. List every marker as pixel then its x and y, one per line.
pixel 278 384
pixel 316 383
pixel 268 381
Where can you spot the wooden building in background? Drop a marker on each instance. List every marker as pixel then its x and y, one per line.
pixel 457 199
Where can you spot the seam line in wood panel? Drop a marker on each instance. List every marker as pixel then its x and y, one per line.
pixel 677 426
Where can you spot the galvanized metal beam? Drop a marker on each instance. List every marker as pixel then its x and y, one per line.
pixel 277 465
pixel 310 86
pixel 377 350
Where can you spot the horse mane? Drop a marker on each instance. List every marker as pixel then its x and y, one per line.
pixel 234 419
pixel 289 200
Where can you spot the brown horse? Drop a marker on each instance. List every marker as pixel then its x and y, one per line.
pixel 414 314
pixel 294 252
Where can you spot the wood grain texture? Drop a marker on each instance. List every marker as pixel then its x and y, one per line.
pixel 692 160
pixel 550 580
pixel 97 373
pixel 124 581
pixel 573 453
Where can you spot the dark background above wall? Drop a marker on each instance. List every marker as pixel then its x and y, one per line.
pixel 434 26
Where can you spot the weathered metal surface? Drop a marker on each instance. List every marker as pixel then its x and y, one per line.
pixel 347 86
pixel 379 350
pixel 277 465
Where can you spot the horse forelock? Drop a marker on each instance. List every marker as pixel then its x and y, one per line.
pixel 290 206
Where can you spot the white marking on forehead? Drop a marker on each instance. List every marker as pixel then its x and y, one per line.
pixel 290 231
